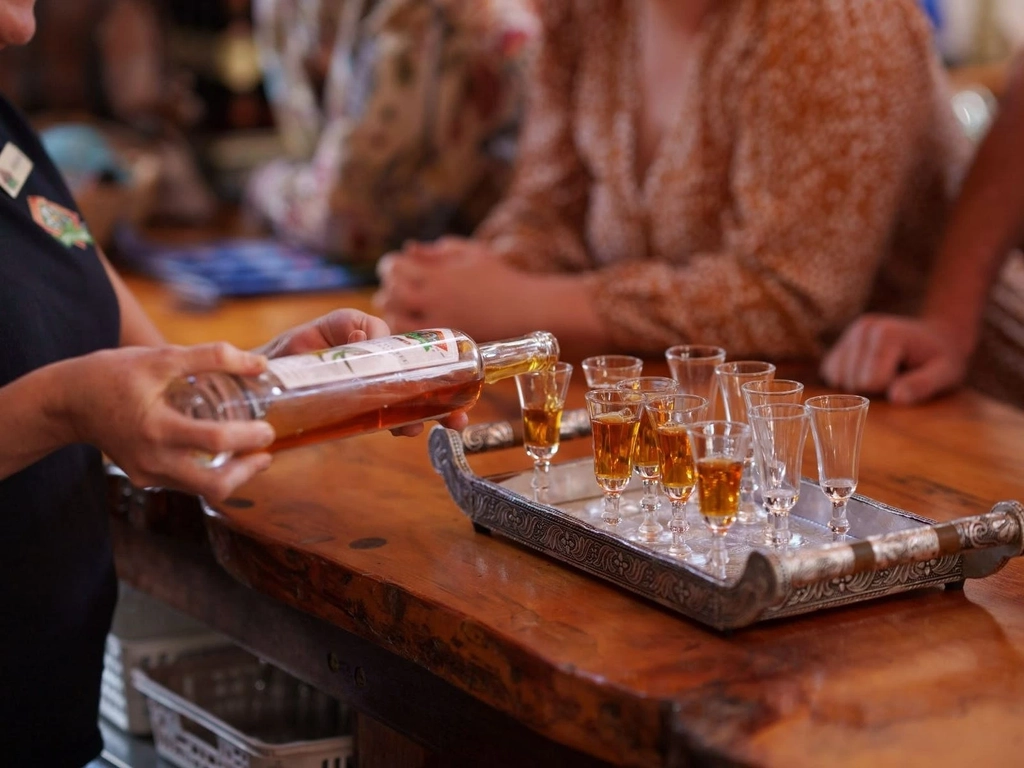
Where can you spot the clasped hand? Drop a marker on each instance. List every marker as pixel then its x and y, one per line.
pixel 453 283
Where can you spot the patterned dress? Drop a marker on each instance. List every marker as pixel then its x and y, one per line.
pixel 402 115
pixel 805 178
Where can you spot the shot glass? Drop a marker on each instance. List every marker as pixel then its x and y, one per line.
pixel 542 400
pixel 693 368
pixel 719 451
pixel 671 415
pixel 602 371
pixel 615 416
pixel 608 370
pixel 769 391
pixel 731 378
pixel 646 460
pixel 837 422
pixel 779 432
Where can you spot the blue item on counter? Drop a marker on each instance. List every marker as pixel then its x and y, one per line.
pixel 202 274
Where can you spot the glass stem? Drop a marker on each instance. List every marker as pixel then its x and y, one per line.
pixel 611 509
pixel 649 528
pixel 541 475
pixel 678 521
pixel 839 525
pixel 747 512
pixel 719 554
pixel 649 500
pixel 768 532
pixel 780 528
pixel 679 526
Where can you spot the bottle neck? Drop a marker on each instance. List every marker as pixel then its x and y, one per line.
pixel 536 351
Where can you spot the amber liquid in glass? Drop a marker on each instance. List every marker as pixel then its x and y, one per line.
pixel 542 428
pixel 718 489
pixel 678 472
pixel 614 440
pixel 647 454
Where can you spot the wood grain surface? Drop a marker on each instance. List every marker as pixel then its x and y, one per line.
pixel 362 534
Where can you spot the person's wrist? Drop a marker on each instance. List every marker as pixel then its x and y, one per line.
pixel 60 387
pixel 960 335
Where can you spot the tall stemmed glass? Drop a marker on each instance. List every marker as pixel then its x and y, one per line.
pixel 765 391
pixel 731 378
pixel 837 422
pixel 601 372
pixel 779 431
pixel 671 415
pixel 542 399
pixel 646 458
pixel 693 368
pixel 608 370
pixel 720 449
pixel 615 416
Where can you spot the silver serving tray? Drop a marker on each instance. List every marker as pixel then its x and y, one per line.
pixel 889 550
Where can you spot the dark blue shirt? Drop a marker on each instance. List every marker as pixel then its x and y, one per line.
pixel 57 581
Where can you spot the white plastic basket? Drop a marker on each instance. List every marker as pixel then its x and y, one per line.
pixel 145 632
pixel 225 708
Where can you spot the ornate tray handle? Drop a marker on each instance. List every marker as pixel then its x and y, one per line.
pixel 985 541
pixel 915 552
pixel 493 435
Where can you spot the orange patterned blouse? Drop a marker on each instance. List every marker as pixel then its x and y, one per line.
pixel 806 175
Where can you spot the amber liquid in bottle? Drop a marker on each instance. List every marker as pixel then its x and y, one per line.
pixel 364 387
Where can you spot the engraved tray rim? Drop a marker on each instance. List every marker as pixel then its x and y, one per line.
pixel 772 585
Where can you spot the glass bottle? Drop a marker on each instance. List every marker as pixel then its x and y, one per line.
pixel 363 387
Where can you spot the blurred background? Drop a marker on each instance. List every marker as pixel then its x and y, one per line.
pixel 158 110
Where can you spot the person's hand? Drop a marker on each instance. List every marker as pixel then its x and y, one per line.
pixel 114 399
pixel 453 283
pixel 342 326
pixel 908 359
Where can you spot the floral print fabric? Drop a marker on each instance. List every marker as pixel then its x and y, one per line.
pixel 807 174
pixel 407 111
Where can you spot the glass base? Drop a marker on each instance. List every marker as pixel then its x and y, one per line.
pixel 764 538
pixel 751 515
pixel 655 534
pixel 626 508
pixel 688 554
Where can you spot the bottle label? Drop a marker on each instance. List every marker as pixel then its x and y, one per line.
pixel 393 354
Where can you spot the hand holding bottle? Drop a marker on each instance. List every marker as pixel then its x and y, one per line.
pixel 386 383
pixel 342 326
pixel 114 400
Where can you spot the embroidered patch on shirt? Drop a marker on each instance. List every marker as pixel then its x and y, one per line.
pixel 14 169
pixel 64 224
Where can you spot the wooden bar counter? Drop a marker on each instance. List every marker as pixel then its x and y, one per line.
pixel 348 564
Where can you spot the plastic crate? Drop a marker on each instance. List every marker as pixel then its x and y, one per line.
pixel 226 708
pixel 145 632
